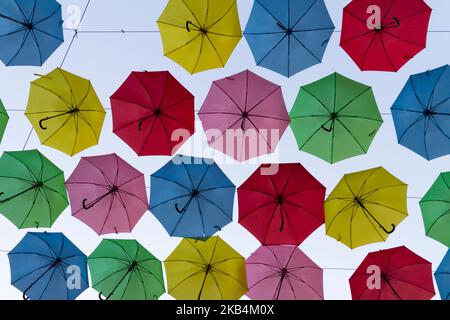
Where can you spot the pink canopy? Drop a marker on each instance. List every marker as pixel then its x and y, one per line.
pixel 283 273
pixel 244 116
pixel 107 194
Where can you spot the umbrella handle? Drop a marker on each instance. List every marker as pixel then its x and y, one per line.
pixel 388 231
pixel 397 21
pixel 187 25
pixel 326 129
pixel 85 206
pixel 41 123
pixel 178 208
pixel 25 297
pixel 100 297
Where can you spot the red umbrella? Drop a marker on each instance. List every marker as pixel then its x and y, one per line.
pixel 107 194
pixel 284 208
pixel 383 35
pixel 153 113
pixel 393 274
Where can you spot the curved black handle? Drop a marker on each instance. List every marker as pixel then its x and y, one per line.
pixel 326 129
pixel 41 123
pixel 140 124
pixel 25 297
pixel 397 21
pixel 85 206
pixel 100 297
pixel 388 231
pixel 178 208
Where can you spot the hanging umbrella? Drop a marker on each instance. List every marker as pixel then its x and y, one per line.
pixel 442 276
pixel 32 190
pixel 125 270
pixel 3 120
pixel 200 35
pixel 435 207
pixel 288 36
pixel 192 197
pixel 422 113
pixel 107 194
pixel 151 112
pixel 30 31
pixel 383 35
pixel 244 116
pixel 205 270
pixel 393 274
pixel 65 112
pixel 283 273
pixel 283 208
pixel 365 207
pixel 48 266
pixel 335 118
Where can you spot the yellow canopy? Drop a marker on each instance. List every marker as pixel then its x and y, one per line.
pixel 200 34
pixel 65 111
pixel 206 270
pixel 365 207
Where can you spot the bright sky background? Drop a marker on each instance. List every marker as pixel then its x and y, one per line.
pixel 107 59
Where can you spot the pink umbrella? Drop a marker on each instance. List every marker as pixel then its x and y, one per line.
pixel 107 194
pixel 244 116
pixel 283 273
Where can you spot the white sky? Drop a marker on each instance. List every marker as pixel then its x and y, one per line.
pixel 107 59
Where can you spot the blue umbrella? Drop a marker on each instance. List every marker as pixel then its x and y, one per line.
pixel 30 31
pixel 442 276
pixel 192 197
pixel 288 36
pixel 422 113
pixel 48 266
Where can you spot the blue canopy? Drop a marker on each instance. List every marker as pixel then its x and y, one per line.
pixel 192 197
pixel 422 113
pixel 48 266
pixel 30 31
pixel 442 276
pixel 288 36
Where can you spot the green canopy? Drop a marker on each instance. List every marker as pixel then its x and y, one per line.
pixel 32 189
pixel 435 207
pixel 3 119
pixel 125 270
pixel 335 118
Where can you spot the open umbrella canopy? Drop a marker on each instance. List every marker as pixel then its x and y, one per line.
pixel 32 190
pixel 365 207
pixel 107 194
pixel 383 35
pixel 335 118
pixel 65 112
pixel 422 113
pixel 192 197
pixel 151 112
pixel 442 276
pixel 244 116
pixel 125 270
pixel 30 31
pixel 281 208
pixel 200 34
pixel 288 36
pixel 435 207
pixel 393 274
pixel 48 266
pixel 3 120
pixel 205 270
pixel 283 273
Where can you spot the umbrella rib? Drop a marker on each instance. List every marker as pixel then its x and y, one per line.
pixel 370 193
pixel 203 177
pixel 412 284
pixel 177 120
pixel 215 49
pixel 169 200
pixel 12 32
pixel 439 128
pixel 32 253
pixel 372 40
pixel 274 275
pixel 176 103
pixel 148 135
pixel 188 174
pixel 313 134
pixel 268 11
pixel 199 53
pixel 271 50
pixel 24 40
pixel 266 233
pixel 309 51
pixel 122 202
pixel 105 177
pixel 49 207
pixel 224 15
pixel 31 272
pixel 185 279
pixel 256 209
pixel 216 188
pixel 37 45
pixel 297 278
pixel 317 99
pixel 192 13
pixel 121 247
pixel 305 190
pixel 304 14
pixel 201 217
pixel 259 133
pixel 288 180
pixel 386 53
pixel 183 45
pixel 172 181
pixel 405 266
pixel 215 205
pixel 229 97
pixel 403 40
pixel 57 130
pixel 351 225
pixel 255 190
pixel 360 117
pixel 146 90
pixel 48 34
pixel 288 218
pixel 384 206
pixel 46 243
pixel 35 196
pixel 217 285
pixel 357 37
pixel 108 276
pixel 304 209
pixel 147 108
pixel 229 275
pixel 353 136
pixel 132 195
pixel 341 211
pixel 354 99
pixel 109 212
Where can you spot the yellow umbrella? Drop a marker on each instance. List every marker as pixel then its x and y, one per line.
pixel 65 111
pixel 205 270
pixel 365 207
pixel 200 34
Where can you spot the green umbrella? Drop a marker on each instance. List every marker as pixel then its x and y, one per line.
pixel 335 118
pixel 125 270
pixel 3 119
pixel 435 207
pixel 32 189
